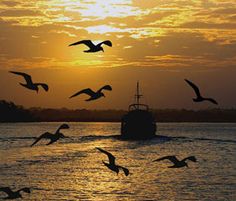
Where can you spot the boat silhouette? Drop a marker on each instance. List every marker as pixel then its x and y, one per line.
pixel 138 123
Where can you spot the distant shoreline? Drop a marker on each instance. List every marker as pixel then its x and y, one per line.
pixel 9 112
pixel 200 122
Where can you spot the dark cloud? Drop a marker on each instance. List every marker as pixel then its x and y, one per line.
pixel 9 3
pixel 195 44
pixel 20 13
pixel 225 11
pixel 208 25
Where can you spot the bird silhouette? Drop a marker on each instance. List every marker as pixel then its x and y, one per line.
pixel 92 46
pixel 111 165
pixel 199 97
pixel 29 83
pixel 93 95
pixel 53 137
pixel 177 163
pixel 14 194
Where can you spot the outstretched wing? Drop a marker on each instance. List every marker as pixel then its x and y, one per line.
pixel 106 87
pixel 211 100
pixel 45 86
pixel 173 159
pixel 87 91
pixel 126 171
pixel 64 126
pixel 195 88
pixel 46 135
pixel 7 190
pixel 27 77
pixel 106 42
pixel 26 190
pixel 89 43
pixel 110 156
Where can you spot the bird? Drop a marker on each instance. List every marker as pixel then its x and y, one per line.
pixel 14 194
pixel 111 165
pixel 199 97
pixel 29 83
pixel 53 137
pixel 177 163
pixel 93 95
pixel 92 46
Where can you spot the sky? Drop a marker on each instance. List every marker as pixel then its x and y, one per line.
pixel 156 42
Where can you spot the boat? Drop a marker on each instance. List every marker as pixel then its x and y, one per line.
pixel 139 122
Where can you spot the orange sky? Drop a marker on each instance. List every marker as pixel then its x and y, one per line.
pixel 159 42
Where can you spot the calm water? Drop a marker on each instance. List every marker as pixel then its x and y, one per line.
pixel 72 169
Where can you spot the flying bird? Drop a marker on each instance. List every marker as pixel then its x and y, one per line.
pixel 92 46
pixel 29 83
pixel 53 137
pixel 93 95
pixel 199 97
pixel 177 163
pixel 111 165
pixel 14 194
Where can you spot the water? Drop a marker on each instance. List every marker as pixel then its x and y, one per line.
pixel 72 169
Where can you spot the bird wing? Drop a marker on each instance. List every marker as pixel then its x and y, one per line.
pixel 106 42
pixel 110 156
pixel 63 126
pixel 7 190
pixel 211 100
pixel 26 190
pixel 173 159
pixel 87 91
pixel 106 87
pixel 195 88
pixel 45 86
pixel 27 77
pixel 44 135
pixel 89 43
pixel 126 171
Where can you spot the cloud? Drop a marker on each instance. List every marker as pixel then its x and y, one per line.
pixel 9 3
pixel 20 13
pixel 167 32
pixel 205 25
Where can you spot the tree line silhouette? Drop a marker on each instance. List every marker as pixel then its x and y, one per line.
pixel 9 112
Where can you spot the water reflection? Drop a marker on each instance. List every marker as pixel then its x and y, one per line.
pixel 72 169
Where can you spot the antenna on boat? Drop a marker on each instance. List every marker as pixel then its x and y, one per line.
pixel 137 95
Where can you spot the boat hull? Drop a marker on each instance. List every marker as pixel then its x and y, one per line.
pixel 138 125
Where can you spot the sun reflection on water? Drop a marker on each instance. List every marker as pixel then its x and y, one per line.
pixel 72 168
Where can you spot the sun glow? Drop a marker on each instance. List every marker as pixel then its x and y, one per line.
pixel 102 9
pixel 97 9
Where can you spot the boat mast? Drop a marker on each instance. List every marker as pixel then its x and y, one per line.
pixel 137 95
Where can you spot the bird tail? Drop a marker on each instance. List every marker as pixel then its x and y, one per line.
pixel 125 170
